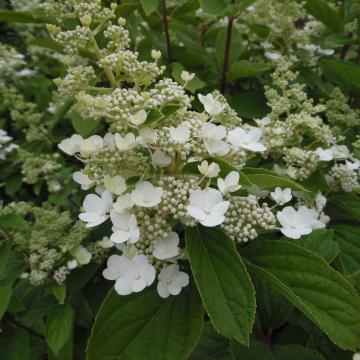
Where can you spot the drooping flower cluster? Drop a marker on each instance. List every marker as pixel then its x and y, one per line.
pixel 162 166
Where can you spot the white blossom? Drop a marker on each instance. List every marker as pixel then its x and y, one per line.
pixel 356 356
pixel 82 179
pixel 280 196
pixel 230 183
pixel 125 227
pixel 171 281
pixel 71 145
pixel 123 203
pixel 324 154
pixel 105 243
pixel 91 145
pixel 296 223
pixel 81 255
pixel 272 55
pixel 168 247
pixel 139 118
pixel 340 151
pixel 207 206
pixel 248 140
pixel 159 158
pixel 213 136
pixel 96 209
pixel 156 54
pixel 180 134
pixel 124 143
pixel 211 105
pixel 146 195
pixel 209 171
pixel 72 264
pixel 186 76
pixel 131 275
pixel 115 184
pixel 320 200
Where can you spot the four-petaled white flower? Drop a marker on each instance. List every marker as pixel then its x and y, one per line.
pixel 159 158
pixel 213 136
pixel 123 203
pixel 186 76
pixel 167 248
pixel 147 136
pixel 139 118
pixel 209 171
pixel 211 105
pixel 180 134
pixel 84 180
pixel 124 143
pixel 280 196
pixel 91 145
pixel 115 184
pixel 272 55
pixel 171 281
pixel 71 145
pixel 131 275
pixel 296 223
pixel 146 194
pixel 125 228
pixel 230 183
pixel 248 140
pixel 340 151
pixel 324 154
pixel 207 206
pixel 96 209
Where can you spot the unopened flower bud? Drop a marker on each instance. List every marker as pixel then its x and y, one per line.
pixel 156 54
pixel 86 20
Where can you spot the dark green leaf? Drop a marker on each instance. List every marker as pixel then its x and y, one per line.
pixel 349 203
pixel 5 295
pixel 223 282
pixel 144 326
pixel 244 68
pixel 149 6
pixel 250 104
pixel 348 71
pixel 12 221
pixel 59 327
pixel 307 281
pixel 193 85
pixel 213 7
pixel 14 344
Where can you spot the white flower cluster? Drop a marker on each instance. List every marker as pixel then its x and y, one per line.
pixel 160 167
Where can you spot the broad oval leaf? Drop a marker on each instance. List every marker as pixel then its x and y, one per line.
pixel 307 281
pixel 223 282
pixel 246 69
pixel 145 326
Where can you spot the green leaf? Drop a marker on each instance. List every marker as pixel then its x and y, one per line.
pixel 5 295
pixel 223 282
pixel 193 85
pixel 21 17
pixel 47 43
pixel 59 327
pixel 213 7
pixel 59 291
pixel 250 104
pixel 14 344
pixel 348 71
pixel 144 326
pixel 82 126
pixel 349 203
pixel 269 180
pixel 323 12
pixel 347 237
pixel 260 351
pixel 246 69
pixel 154 118
pixel 12 221
pixel 149 6
pixel 211 345
pixel 321 243
pixel 315 288
pixel 4 254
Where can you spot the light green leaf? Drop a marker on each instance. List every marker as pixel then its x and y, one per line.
pixel 321 242
pixel 144 326
pixel 59 291
pixel 193 85
pixel 348 71
pixel 269 180
pixel 22 17
pixel 348 238
pixel 5 295
pixel 246 69
pixel 82 126
pixel 314 287
pixel 327 15
pixel 12 221
pixel 223 282
pixel 59 327
pixel 149 6
pixel 213 7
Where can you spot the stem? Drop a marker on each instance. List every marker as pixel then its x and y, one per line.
pixel 167 32
pixel 108 72
pixel 227 53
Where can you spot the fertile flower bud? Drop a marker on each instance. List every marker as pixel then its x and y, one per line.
pixel 156 54
pixel 86 20
pixel 139 118
pixel 121 21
